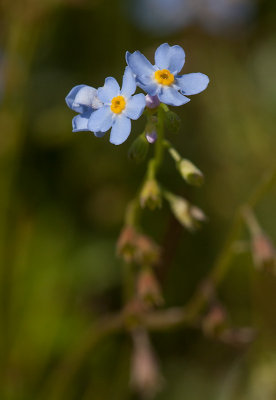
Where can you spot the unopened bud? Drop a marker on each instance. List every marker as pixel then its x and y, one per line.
pixel 264 253
pixel 148 289
pixel 152 101
pixel 190 172
pixel 126 244
pixel 151 129
pixel 188 215
pixel 145 374
pixel 215 321
pixel 197 214
pixel 151 136
pixel 139 149
pixel 172 122
pixel 132 246
pixel 151 195
pixel 147 252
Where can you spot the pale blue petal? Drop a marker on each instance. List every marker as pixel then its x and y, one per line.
pixel 171 97
pixel 148 84
pixel 139 64
pixel 170 57
pixel 135 106
pixel 120 130
pixel 147 80
pixel 129 83
pixel 152 90
pixel 80 98
pixel 80 122
pixel 192 83
pixel 99 134
pixel 100 120
pixel 85 96
pixel 110 89
pixel 128 54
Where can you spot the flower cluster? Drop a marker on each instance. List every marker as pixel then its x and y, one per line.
pixel 110 107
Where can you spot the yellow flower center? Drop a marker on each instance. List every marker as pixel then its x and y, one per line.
pixel 164 76
pixel 118 104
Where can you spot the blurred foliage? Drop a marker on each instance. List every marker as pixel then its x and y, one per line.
pixel 63 198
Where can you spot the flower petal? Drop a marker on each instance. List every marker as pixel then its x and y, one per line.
pixel 170 57
pixel 135 106
pixel 129 83
pixel 120 130
pixel 100 120
pixel 192 83
pixel 110 89
pixel 99 134
pixel 172 97
pixel 80 122
pixel 148 84
pixel 81 97
pixel 139 64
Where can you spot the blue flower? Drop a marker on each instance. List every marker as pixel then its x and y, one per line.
pixel 119 107
pixel 84 100
pixel 163 79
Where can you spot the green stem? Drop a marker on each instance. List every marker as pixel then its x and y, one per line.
pixel 175 155
pixel 151 170
pixel 155 163
pixel 251 221
pixel 129 284
pixel 133 211
pixel 159 146
pixel 173 152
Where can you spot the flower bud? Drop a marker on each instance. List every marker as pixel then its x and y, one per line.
pixel 150 195
pixel 151 129
pixel 132 246
pixel 126 244
pixel 190 172
pixel 138 149
pixel 264 253
pixel 188 215
pixel 151 136
pixel 145 374
pixel 147 251
pixel 172 122
pixel 148 289
pixel 152 101
pixel 215 321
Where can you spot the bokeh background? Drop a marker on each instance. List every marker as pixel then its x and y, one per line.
pixel 63 195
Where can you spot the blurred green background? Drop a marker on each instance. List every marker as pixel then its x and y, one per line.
pixel 63 195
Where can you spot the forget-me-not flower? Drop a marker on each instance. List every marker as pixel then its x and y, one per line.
pixel 163 79
pixel 119 107
pixel 84 100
